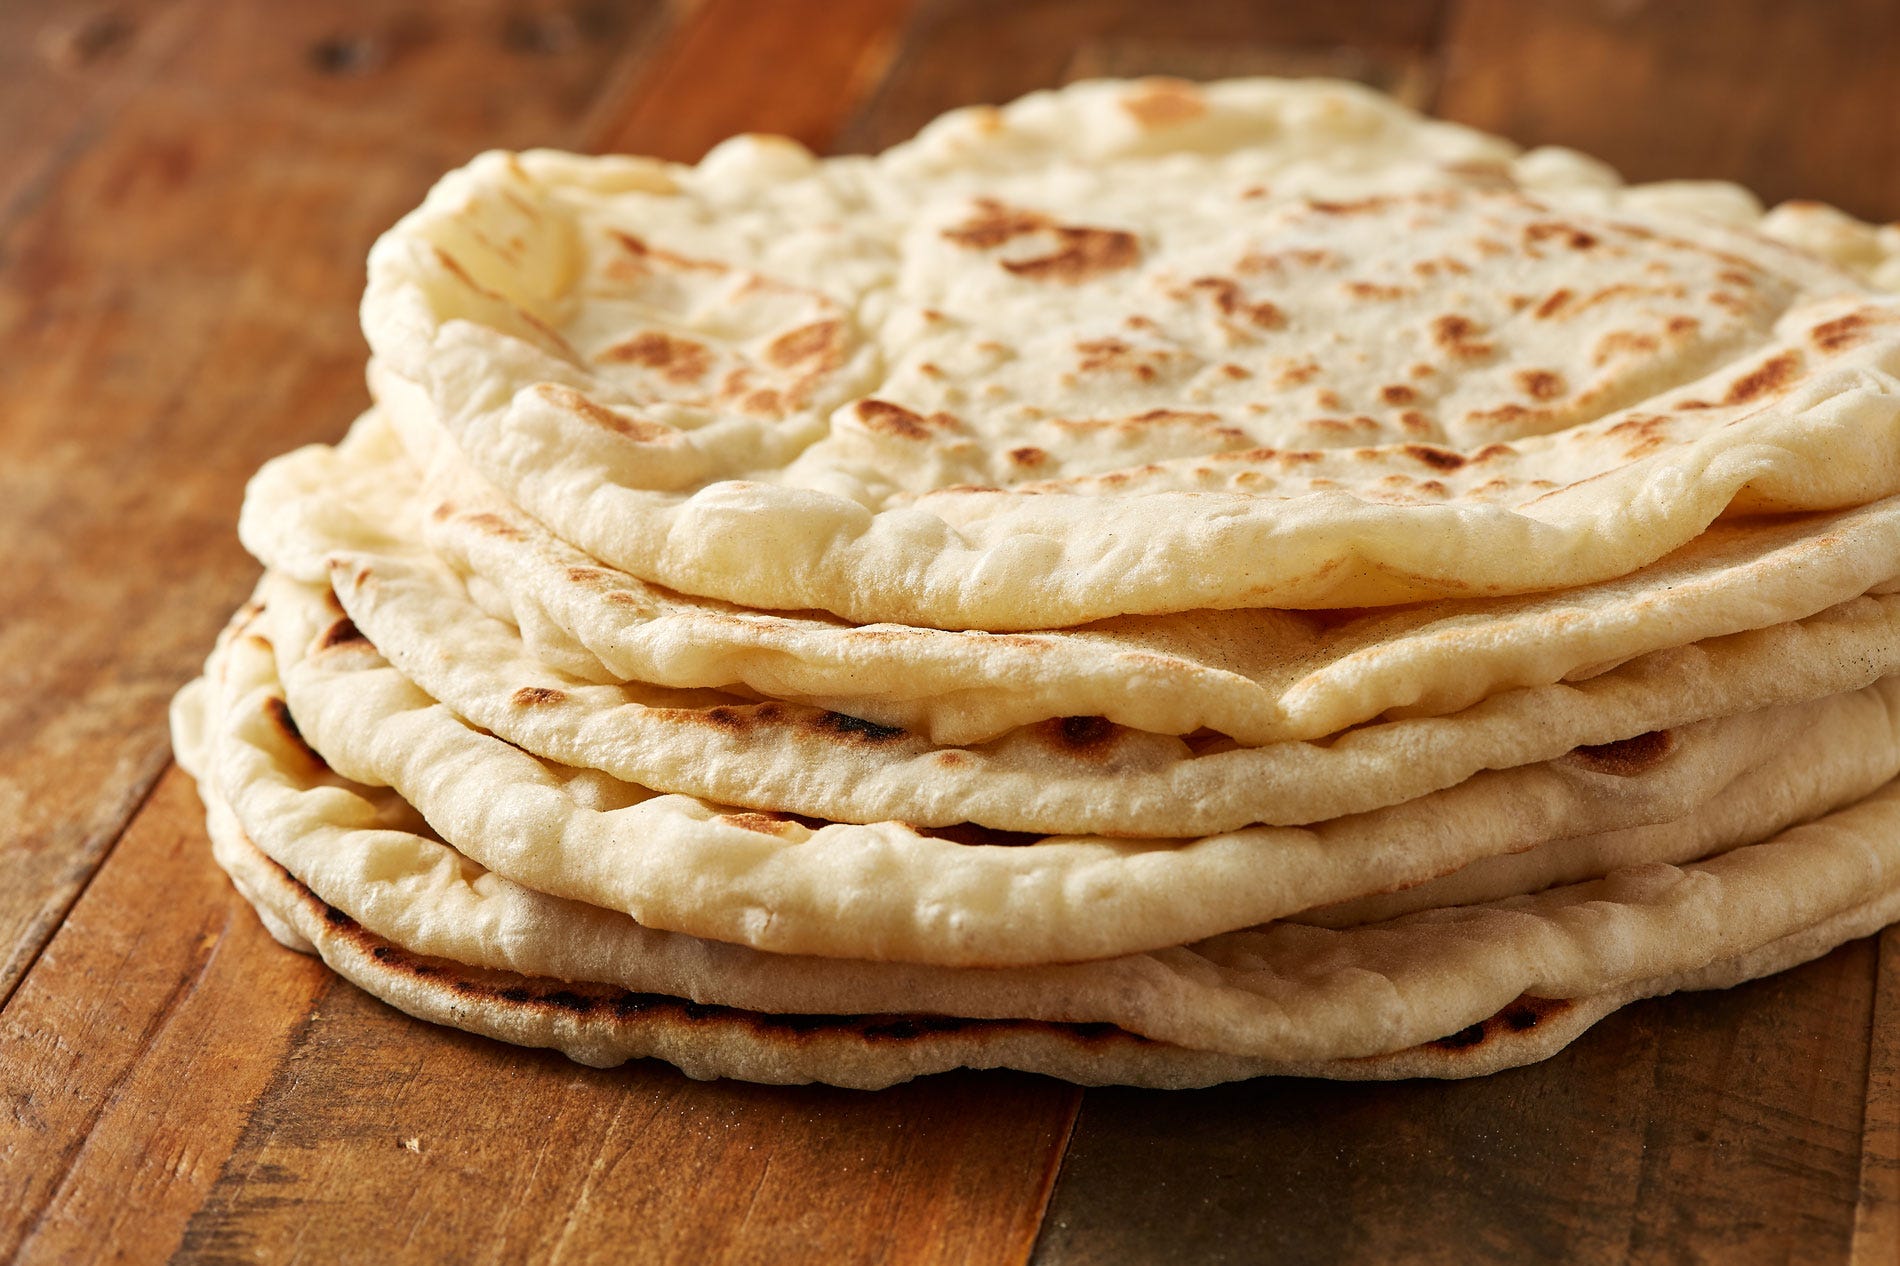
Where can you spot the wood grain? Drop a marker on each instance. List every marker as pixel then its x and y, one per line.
pixel 177 300
pixel 963 53
pixel 64 71
pixel 1722 1126
pixel 135 1000
pixel 376 1129
pixel 1877 1218
pixel 239 344
pixel 794 67
pixel 1791 100
pixel 323 1125
pixel 188 190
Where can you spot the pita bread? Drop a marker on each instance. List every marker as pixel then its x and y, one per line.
pixel 967 391
pixel 1153 584
pixel 608 1026
pixel 605 1026
pixel 1256 676
pixel 1074 776
pixel 1274 997
pixel 890 890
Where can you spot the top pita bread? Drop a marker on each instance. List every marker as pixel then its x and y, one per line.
pixel 1135 348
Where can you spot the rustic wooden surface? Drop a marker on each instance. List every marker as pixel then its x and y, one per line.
pixel 187 191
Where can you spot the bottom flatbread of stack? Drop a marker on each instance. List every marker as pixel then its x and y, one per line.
pixel 1685 898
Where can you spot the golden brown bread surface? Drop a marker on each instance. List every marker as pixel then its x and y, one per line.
pixel 1009 375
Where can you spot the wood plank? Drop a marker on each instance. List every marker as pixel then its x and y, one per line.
pixel 134 999
pixel 960 52
pixel 376 1129
pixel 64 71
pixel 1877 1218
pixel 1712 1127
pixel 324 1125
pixel 1752 1146
pixel 793 67
pixel 1660 1130
pixel 301 1150
pixel 178 302
pixel 442 75
pixel 1792 100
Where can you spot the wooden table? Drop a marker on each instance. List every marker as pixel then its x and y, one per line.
pixel 187 192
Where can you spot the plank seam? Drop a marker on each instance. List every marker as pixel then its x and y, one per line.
pixel 630 79
pixel 1861 1250
pixel 1433 55
pixel 143 799
pixel 1058 1158
pixel 160 1020
pixel 237 1169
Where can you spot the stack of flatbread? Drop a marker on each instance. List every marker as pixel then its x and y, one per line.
pixel 1150 584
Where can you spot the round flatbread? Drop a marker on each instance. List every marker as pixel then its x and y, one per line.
pixel 441 555
pixel 890 890
pixel 1013 376
pixel 468 948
